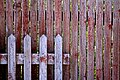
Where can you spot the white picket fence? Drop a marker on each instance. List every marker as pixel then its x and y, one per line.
pixel 27 58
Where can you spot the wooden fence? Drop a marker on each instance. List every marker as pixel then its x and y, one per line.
pixel 60 39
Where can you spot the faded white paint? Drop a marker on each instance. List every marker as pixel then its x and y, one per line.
pixel 58 57
pixel 27 57
pixel 43 58
pixel 11 58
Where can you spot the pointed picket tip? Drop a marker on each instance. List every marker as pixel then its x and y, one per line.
pixel 27 37
pixel 43 36
pixel 12 36
pixel 58 37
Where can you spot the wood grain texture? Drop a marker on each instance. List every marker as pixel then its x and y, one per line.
pixel 83 58
pixel 11 57
pixel 25 20
pixel 107 40
pixel 18 24
pixel 27 57
pixel 9 17
pixel 50 36
pixel 99 36
pixel 90 45
pixel 34 27
pixel 2 26
pixel 58 57
pixel 116 18
pixel 58 16
pixel 41 17
pixel 66 36
pixel 43 58
pixel 74 44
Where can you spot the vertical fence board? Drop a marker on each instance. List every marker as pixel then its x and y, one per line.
pixel 50 42
pixel 58 16
pixel 9 17
pixel 18 30
pixel 99 36
pixel 66 36
pixel 43 58
pixel 2 26
pixel 91 23
pixel 74 45
pixel 41 17
pixel 11 58
pixel 115 65
pixel 25 15
pixel 107 40
pixel 58 57
pixel 17 24
pixel 82 18
pixel 33 19
pixel 27 57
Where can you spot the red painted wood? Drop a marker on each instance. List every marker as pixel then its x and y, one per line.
pixel 74 45
pixel 107 40
pixel 90 45
pixel 99 36
pixel 116 17
pixel 41 17
pixel 66 36
pixel 18 30
pixel 50 42
pixel 3 68
pixel 9 17
pixel 33 19
pixel 82 18
pixel 25 15
pixel 58 16
pixel 2 26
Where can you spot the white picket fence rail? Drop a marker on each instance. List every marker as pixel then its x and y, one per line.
pixel 27 58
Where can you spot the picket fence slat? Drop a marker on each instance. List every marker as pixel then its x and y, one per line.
pixel 99 36
pixel 43 58
pixel 27 57
pixel 58 57
pixel 107 39
pixel 11 58
pixel 115 65
pixel 83 19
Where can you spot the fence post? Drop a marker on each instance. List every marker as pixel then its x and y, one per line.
pixel 58 57
pixel 11 58
pixel 27 57
pixel 43 58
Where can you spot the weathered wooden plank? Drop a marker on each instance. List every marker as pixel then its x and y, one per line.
pixel 9 17
pixel 33 20
pixel 66 36
pixel 27 57
pixel 11 58
pixel 58 57
pixel 49 34
pixel 25 15
pixel 35 58
pixel 99 36
pixel 116 17
pixel 43 58
pixel 74 44
pixel 18 24
pixel 41 17
pixel 58 16
pixel 83 19
pixel 90 45
pixel 2 26
pixel 107 40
